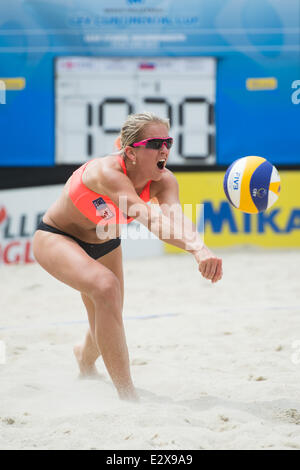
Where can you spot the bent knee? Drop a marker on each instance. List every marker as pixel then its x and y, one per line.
pixel 106 289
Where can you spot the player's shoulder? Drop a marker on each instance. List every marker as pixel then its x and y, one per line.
pixel 109 167
pixel 167 181
pixel 169 177
pixel 106 172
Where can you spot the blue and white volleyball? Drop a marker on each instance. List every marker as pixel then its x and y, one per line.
pixel 252 184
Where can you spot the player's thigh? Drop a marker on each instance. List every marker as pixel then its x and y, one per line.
pixel 64 259
pixel 113 261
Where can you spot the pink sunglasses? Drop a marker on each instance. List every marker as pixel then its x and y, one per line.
pixel 155 143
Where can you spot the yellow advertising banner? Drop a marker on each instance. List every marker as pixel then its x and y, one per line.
pixel 225 226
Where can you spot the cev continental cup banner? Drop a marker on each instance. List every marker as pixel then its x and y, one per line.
pixel 224 226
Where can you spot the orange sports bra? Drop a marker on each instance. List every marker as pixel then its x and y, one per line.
pixel 99 208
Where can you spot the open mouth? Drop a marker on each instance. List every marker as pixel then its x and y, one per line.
pixel 161 164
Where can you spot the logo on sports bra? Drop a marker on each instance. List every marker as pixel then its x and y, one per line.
pixel 102 209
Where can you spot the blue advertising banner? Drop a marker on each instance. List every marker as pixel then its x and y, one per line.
pixel 247 105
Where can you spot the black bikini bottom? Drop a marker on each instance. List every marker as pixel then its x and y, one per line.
pixel 94 250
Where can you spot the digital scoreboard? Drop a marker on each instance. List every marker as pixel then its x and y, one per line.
pixel 94 96
pixel 226 77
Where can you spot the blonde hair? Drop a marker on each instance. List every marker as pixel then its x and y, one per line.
pixel 134 126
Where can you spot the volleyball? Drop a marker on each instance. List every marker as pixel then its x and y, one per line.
pixel 252 184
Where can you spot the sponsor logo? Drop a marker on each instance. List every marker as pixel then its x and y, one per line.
pixel 224 217
pixel 15 237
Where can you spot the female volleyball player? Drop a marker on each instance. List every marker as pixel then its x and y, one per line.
pixel 78 241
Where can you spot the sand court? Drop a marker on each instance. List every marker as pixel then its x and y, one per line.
pixel 216 366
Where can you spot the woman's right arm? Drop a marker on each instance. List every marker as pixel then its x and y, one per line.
pixel 172 230
pixel 118 187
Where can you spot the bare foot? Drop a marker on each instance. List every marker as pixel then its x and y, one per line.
pixel 86 370
pixel 129 395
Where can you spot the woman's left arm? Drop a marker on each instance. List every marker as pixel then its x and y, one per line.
pixel 184 232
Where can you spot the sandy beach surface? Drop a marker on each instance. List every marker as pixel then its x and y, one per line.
pixel 217 366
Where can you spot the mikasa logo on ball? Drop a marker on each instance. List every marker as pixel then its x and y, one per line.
pixel 261 192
